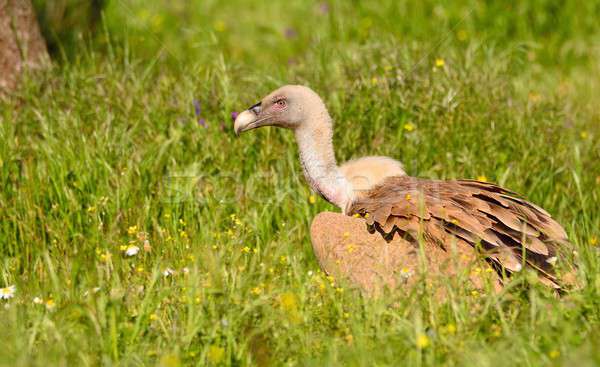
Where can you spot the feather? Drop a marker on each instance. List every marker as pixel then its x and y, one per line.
pixel 507 229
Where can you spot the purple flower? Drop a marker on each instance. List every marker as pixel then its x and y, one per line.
pixel 324 8
pixel 197 111
pixel 197 108
pixel 234 115
pixel 290 33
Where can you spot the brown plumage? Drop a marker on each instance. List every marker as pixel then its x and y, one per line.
pixel 410 218
pixel 506 229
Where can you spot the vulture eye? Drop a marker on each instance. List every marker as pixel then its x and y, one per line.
pixel 281 103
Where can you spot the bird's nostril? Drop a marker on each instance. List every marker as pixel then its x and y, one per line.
pixel 255 108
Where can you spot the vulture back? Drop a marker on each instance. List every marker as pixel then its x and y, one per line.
pixel 508 230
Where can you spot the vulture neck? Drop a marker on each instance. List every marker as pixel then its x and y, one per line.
pixel 315 143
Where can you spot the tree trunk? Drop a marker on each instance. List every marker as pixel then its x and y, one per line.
pixel 21 44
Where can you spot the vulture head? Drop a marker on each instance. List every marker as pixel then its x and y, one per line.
pixel 290 106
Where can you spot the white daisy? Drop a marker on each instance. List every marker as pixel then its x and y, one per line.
pixel 8 292
pixel 38 300
pixel 168 272
pixel 50 304
pixel 405 273
pixel 132 250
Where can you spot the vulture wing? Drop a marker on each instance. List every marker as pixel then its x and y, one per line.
pixel 509 231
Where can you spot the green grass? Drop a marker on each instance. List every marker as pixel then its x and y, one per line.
pixel 107 143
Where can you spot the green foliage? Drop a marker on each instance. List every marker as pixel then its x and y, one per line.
pixel 106 152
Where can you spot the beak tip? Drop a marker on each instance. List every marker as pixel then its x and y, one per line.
pixel 243 121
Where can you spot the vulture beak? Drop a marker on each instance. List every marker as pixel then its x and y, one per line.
pixel 248 120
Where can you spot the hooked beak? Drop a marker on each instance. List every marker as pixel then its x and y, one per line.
pixel 248 120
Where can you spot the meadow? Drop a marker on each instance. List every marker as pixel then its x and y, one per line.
pixel 137 229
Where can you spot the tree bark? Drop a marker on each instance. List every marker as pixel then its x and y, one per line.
pixel 22 47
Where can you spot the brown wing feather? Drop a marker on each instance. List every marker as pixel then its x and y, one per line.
pixel 509 230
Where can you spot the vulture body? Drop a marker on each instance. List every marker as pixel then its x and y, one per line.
pixel 413 225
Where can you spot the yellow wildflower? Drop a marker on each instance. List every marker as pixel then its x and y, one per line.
pixel 132 230
pixel 451 329
pixel 422 341
pixel 312 199
pixel 593 241
pixel 153 317
pixel 584 135
pixel 220 26
pixel 349 338
pixel 408 197
pixel 482 178
pixel 215 354
pixel 374 81
pixel 256 291
pixel 246 249
pixel 496 330
pixel 288 301
pixel 105 257
pixel 409 126
pixel 439 63
pixel 50 304
pixel 554 354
